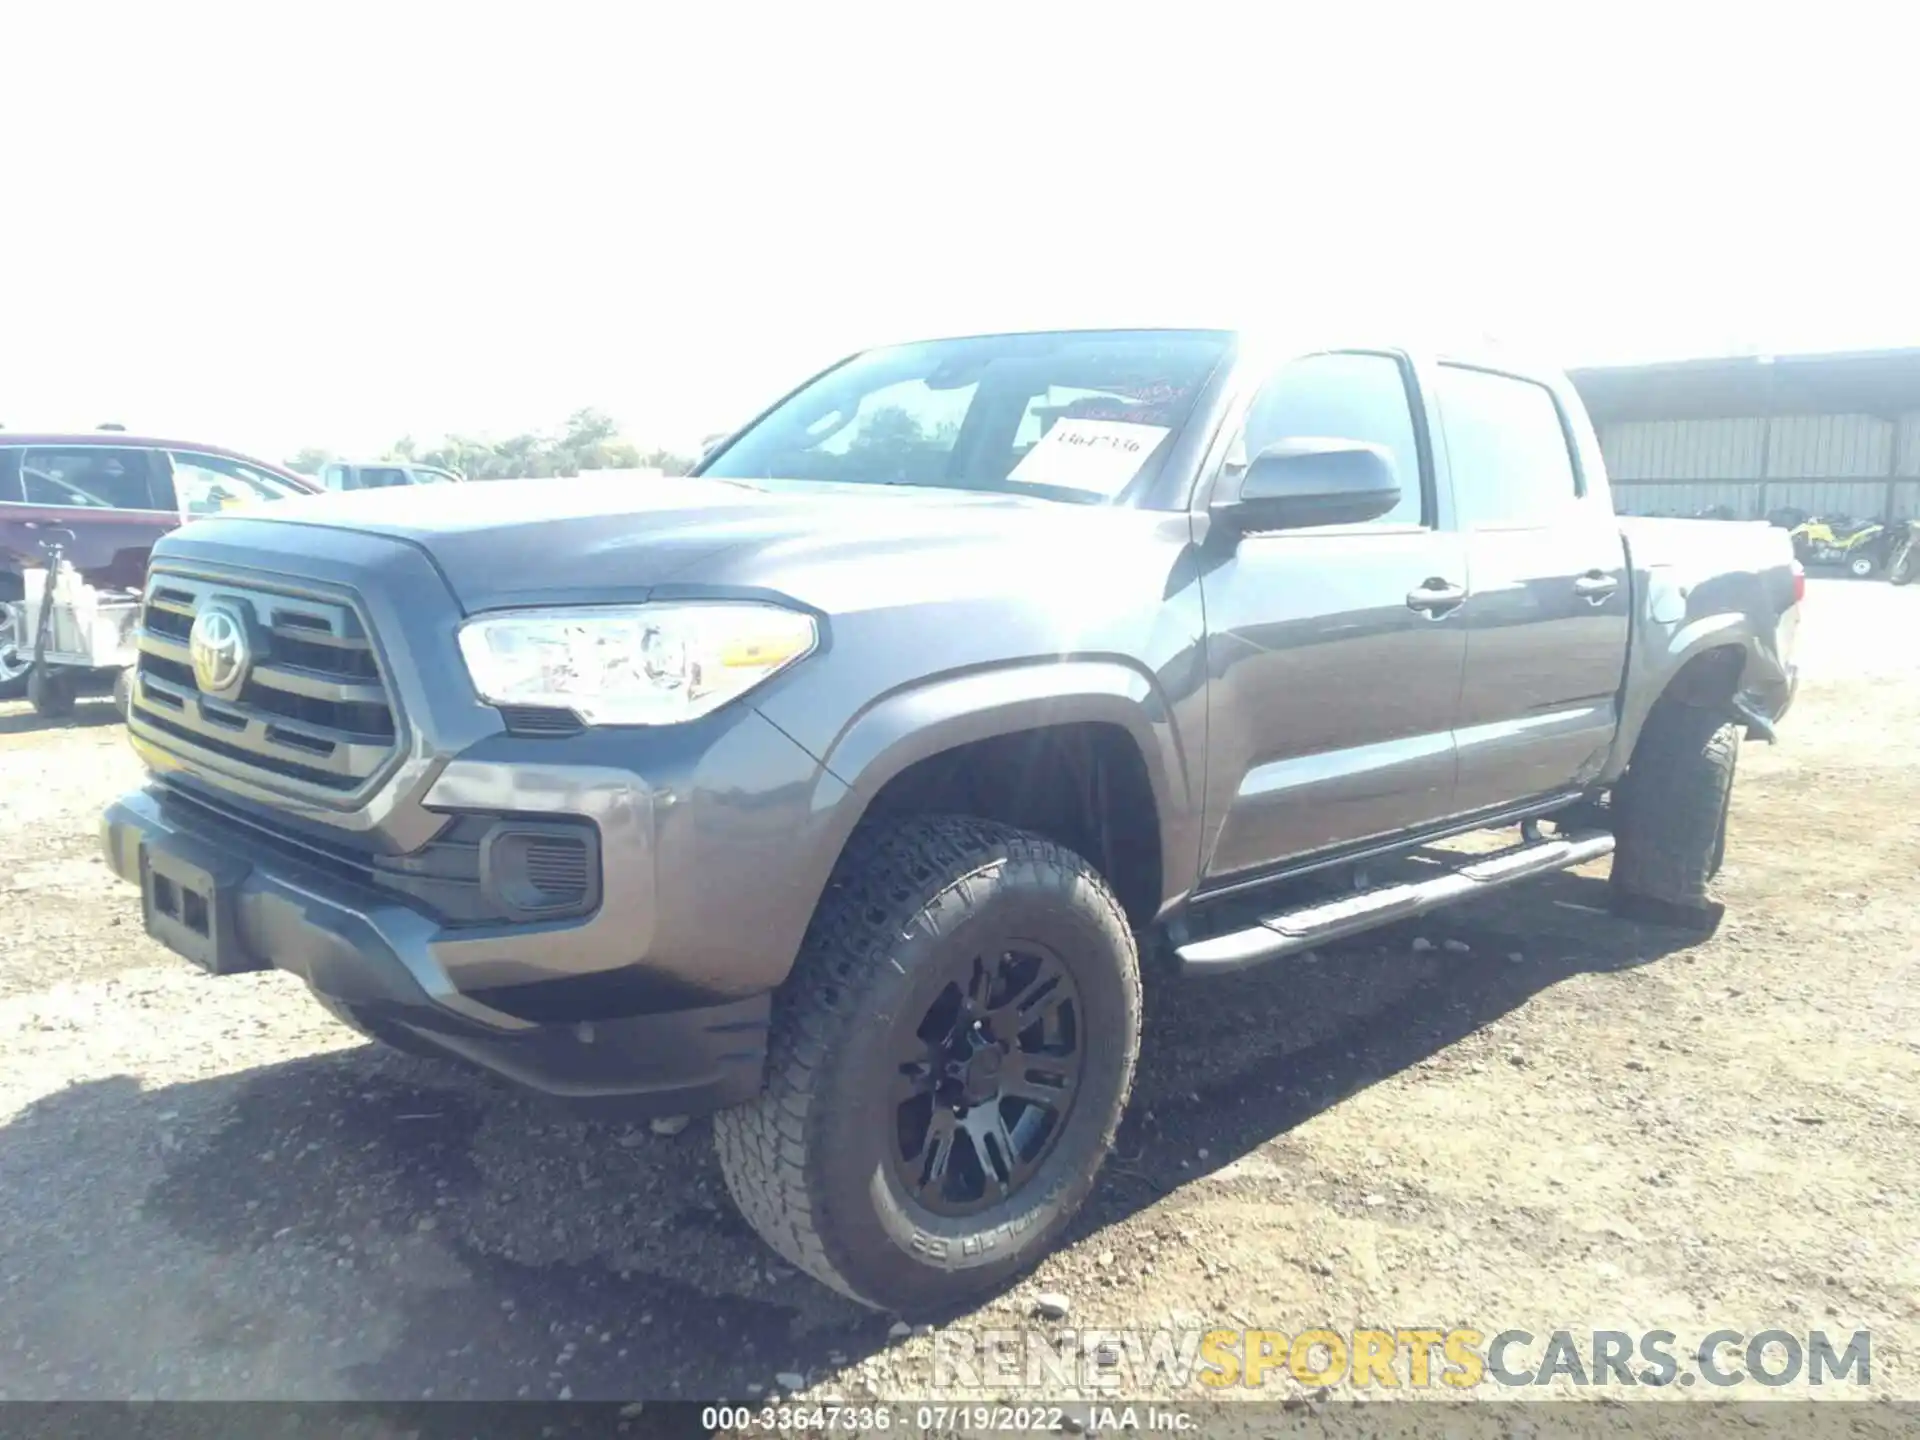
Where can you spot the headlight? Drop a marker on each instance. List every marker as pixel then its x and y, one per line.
pixel 632 664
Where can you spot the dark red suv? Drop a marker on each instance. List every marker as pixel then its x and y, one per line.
pixel 107 496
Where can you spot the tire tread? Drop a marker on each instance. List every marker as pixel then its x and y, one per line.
pixel 1672 807
pixel 889 875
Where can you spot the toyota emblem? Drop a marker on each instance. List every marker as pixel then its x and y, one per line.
pixel 218 647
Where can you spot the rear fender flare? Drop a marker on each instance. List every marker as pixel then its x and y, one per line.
pixel 1663 652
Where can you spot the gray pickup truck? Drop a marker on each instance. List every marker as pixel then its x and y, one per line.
pixel 845 787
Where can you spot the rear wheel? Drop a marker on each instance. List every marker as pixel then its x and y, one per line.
pixel 1860 566
pixel 1670 814
pixel 949 1062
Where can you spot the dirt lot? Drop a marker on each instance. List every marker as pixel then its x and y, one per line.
pixel 209 1189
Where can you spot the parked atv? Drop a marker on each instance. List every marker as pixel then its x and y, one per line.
pixel 1858 545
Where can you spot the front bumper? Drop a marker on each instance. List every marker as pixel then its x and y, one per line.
pixel 383 961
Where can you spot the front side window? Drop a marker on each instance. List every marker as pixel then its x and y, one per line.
pixel 1345 396
pixel 207 484
pixel 1072 415
pixel 89 477
pixel 1506 449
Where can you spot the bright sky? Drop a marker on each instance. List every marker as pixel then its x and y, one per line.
pixel 279 224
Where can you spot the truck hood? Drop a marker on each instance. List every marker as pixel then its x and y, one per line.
pixel 554 542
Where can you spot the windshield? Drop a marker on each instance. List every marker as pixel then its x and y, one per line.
pixel 1077 415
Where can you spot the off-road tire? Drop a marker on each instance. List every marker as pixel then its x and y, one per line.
pixel 1670 815
pixel 123 693
pixel 807 1162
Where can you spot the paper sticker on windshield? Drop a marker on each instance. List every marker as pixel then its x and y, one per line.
pixel 1100 456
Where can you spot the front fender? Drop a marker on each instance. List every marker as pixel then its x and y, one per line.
pixel 945 712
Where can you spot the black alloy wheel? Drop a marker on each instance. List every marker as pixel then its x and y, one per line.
pixel 947 1064
pixel 986 1080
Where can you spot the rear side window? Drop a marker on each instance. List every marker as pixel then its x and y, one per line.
pixel 1506 448
pixel 91 477
pixel 1346 396
pixel 380 477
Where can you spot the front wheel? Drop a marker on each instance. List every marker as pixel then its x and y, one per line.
pixel 948 1065
pixel 1900 564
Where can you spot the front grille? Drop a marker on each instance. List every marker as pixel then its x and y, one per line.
pixel 313 710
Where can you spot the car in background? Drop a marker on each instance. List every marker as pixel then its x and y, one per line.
pixel 384 474
pixel 104 497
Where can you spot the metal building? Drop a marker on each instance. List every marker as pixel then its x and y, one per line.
pixel 1830 435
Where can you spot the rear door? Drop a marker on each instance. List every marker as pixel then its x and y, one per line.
pixel 106 504
pixel 1546 618
pixel 1334 653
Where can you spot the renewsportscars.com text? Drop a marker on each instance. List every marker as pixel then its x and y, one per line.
pixel 1405 1357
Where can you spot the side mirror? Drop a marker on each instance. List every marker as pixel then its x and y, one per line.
pixel 1296 483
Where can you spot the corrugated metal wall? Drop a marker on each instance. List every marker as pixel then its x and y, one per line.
pixel 1818 446
pixel 1825 464
pixel 1684 449
pixel 1907 447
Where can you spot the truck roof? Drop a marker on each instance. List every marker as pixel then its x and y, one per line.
pixel 1478 351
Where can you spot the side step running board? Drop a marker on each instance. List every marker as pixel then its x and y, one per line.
pixel 1292 931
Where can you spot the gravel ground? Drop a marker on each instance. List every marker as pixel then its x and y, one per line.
pixel 208 1189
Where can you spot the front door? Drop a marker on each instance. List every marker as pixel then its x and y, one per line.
pixel 1335 654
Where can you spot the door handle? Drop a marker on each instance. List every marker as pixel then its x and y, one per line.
pixel 1436 596
pixel 1595 586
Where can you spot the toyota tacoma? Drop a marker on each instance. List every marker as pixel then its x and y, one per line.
pixel 843 788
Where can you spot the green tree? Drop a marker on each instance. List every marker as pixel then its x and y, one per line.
pixel 309 461
pixel 665 461
pixel 589 440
